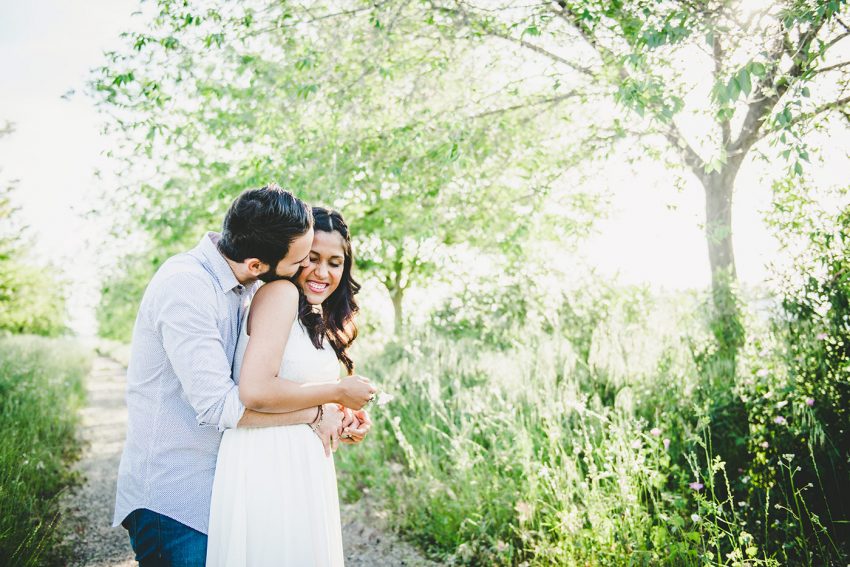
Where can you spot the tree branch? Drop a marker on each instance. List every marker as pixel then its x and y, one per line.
pixel 826 107
pixel 548 100
pixel 545 52
pixel 761 109
pixel 688 155
pixel 832 67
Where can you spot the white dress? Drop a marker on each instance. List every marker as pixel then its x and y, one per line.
pixel 274 500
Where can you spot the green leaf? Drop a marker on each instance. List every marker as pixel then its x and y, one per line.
pixel 531 30
pixel 744 81
pixel 733 89
pixel 757 69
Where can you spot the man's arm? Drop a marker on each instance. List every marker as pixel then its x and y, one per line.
pixel 253 418
pixel 185 316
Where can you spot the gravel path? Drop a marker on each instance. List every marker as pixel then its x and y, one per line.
pixel 88 510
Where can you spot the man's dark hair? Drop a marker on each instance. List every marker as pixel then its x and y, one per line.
pixel 262 223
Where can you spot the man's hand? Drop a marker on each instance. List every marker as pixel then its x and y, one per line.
pixel 329 427
pixel 356 427
pixel 355 391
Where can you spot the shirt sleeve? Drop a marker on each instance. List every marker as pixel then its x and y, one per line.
pixel 186 318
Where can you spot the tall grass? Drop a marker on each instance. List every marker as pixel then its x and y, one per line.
pixel 41 387
pixel 537 455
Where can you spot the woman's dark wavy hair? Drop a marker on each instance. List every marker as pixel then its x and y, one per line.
pixel 262 223
pixel 336 321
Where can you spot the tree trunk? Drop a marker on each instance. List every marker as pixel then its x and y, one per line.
pixel 725 317
pixel 397 294
pixel 718 364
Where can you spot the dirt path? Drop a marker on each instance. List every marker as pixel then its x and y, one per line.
pixel 89 509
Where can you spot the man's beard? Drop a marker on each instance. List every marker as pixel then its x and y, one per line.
pixel 271 275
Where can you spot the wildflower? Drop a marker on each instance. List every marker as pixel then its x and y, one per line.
pixel 810 402
pixel 501 546
pixel 384 398
pixel 821 336
pixel 655 432
pixel 764 444
pixel 543 472
pixel 762 373
pixel 779 420
pixel 696 485
pixel 636 444
pixel 695 518
pixel 666 443
pixel 523 510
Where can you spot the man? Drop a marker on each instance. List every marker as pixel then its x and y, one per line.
pixel 180 394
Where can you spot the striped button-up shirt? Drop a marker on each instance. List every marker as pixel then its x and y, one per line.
pixel 180 394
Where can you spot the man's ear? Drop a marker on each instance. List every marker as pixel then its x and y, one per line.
pixel 255 266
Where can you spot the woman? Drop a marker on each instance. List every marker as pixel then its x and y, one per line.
pixel 275 497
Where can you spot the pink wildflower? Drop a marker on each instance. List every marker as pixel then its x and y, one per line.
pixel 696 485
pixel 666 444
pixel 779 420
pixel 655 432
pixel 810 402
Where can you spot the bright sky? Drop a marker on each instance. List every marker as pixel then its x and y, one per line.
pixel 47 48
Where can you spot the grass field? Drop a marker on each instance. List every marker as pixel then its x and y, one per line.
pixel 41 387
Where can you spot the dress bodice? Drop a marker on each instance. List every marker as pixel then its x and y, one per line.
pixel 302 362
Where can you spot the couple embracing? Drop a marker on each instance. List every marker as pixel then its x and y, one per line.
pixel 234 413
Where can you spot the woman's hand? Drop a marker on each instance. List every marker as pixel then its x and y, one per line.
pixel 355 391
pixel 355 426
pixel 329 427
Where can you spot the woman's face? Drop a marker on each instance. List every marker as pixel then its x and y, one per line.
pixel 320 278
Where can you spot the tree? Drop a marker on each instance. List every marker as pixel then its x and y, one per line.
pixel 361 109
pixel 773 74
pixel 31 299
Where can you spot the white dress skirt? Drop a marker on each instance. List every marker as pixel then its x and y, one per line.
pixel 274 500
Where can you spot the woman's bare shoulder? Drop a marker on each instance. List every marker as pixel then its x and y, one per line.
pixel 273 299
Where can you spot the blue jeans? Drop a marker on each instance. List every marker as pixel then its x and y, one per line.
pixel 160 541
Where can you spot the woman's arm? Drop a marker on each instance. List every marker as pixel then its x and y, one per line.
pixel 273 312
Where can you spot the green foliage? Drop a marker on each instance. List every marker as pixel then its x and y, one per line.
pixel 371 119
pixel 502 457
pixel 798 406
pixel 121 294
pixel 41 389
pixel 589 434
pixel 31 300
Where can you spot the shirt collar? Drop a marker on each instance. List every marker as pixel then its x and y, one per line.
pixel 207 251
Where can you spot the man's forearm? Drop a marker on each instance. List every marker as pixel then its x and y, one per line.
pixel 253 418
